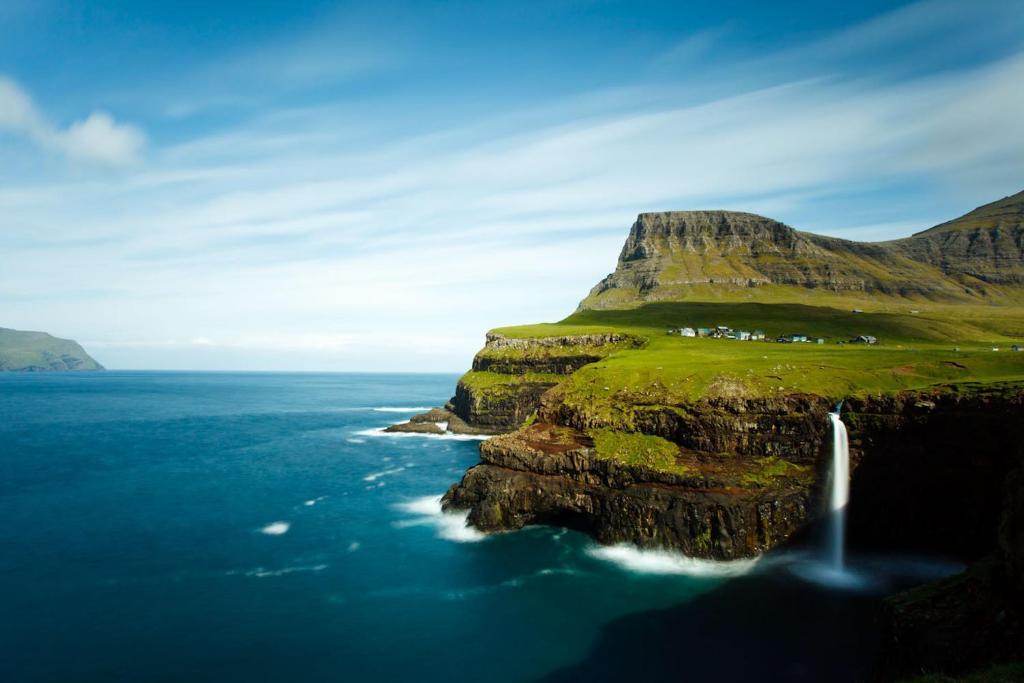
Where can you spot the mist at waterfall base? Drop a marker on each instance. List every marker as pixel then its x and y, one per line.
pixel 258 527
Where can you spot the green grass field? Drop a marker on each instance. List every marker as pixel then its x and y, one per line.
pixel 935 345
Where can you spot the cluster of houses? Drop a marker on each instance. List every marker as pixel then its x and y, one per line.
pixel 726 332
pixel 720 332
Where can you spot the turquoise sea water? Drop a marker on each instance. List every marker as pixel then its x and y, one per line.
pixel 254 527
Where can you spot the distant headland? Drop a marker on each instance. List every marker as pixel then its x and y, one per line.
pixel 22 351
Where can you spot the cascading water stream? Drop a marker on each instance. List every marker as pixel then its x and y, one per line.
pixel 840 494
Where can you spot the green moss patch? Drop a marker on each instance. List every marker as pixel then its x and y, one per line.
pixel 631 448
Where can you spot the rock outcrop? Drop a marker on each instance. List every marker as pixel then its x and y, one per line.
pixel 510 375
pixel 545 474
pixel 669 255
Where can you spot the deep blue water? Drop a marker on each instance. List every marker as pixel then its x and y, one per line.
pixel 136 512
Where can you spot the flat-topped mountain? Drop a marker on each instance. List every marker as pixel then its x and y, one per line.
pixel 22 351
pixel 694 255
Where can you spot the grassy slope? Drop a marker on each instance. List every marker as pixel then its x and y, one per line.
pixel 26 350
pixel 916 350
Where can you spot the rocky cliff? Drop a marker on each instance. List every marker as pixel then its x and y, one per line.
pixel 747 474
pixel 510 375
pixel 673 255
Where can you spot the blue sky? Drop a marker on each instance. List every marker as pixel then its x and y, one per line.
pixel 371 186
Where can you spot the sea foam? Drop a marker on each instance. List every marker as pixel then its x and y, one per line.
pixel 379 431
pixel 276 528
pixel 393 409
pixel 450 526
pixel 374 476
pixel 262 573
pixel 644 561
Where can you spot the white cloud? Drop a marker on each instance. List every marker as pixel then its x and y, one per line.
pixel 98 138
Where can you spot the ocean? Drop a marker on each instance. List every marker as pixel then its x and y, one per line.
pixel 174 526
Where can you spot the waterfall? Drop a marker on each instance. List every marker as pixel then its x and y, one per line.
pixel 840 493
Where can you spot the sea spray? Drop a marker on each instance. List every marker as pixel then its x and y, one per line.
pixel 840 492
pixel 658 561
pixel 451 525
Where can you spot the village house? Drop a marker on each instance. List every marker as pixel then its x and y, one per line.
pixel 864 339
pixel 687 332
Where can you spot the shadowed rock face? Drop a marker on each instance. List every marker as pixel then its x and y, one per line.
pixel 546 474
pixel 670 253
pixel 529 367
pixel 928 474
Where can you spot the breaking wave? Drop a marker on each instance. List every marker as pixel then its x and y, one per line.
pixel 450 526
pixel 261 573
pixel 379 431
pixel 392 409
pixel 276 528
pixel 644 561
pixel 377 475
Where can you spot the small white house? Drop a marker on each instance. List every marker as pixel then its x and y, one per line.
pixel 687 332
pixel 743 335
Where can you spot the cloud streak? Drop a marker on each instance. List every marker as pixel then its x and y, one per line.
pixel 98 138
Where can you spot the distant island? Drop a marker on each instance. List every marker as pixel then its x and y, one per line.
pixel 22 351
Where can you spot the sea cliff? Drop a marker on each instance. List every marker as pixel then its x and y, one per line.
pixel 615 423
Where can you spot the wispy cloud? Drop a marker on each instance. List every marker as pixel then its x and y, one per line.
pixel 97 138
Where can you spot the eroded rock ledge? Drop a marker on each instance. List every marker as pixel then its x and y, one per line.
pixel 546 474
pixel 510 375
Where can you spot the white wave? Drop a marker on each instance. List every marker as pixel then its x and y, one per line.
pixel 353 546
pixel 555 571
pixel 276 528
pixel 356 440
pixel 449 436
pixel 393 409
pixel 313 501
pixel 645 561
pixel 374 476
pixel 262 573
pixel 451 526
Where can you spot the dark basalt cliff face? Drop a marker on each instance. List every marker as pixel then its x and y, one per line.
pixel 669 253
pixel 724 506
pixel 498 412
pixel 545 474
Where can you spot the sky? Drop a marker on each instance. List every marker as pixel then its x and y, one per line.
pixel 372 186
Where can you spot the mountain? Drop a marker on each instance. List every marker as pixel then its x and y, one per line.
pixel 38 352
pixel 729 255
